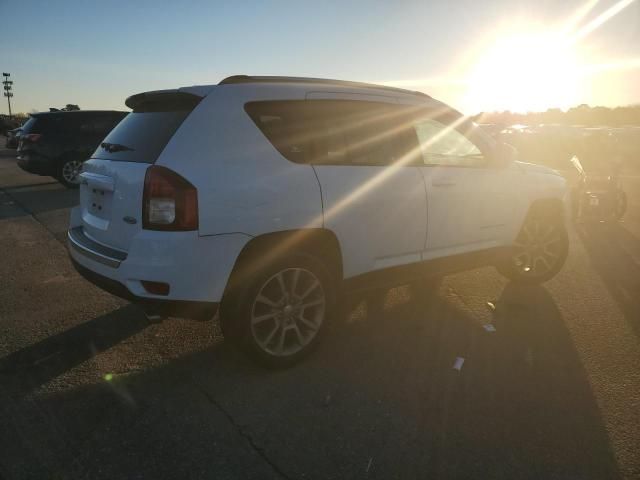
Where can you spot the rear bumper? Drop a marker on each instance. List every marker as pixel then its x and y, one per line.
pixel 186 309
pixel 82 244
pixel 34 163
pixel 195 268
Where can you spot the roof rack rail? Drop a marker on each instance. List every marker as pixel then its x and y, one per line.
pixel 345 83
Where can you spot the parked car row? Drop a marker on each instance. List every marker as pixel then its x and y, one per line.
pixel 266 198
pixel 13 137
pixel 57 143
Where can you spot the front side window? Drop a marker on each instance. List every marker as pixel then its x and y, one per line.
pixel 442 144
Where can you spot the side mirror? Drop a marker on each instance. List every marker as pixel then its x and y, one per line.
pixel 503 155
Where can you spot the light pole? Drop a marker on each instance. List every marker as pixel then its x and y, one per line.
pixel 7 90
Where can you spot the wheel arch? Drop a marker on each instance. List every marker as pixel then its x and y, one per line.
pixel 547 207
pixel 264 249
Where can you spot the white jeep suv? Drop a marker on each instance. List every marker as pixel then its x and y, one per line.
pixel 269 196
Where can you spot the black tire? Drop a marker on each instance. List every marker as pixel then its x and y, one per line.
pixel 517 270
pixel 64 166
pixel 241 306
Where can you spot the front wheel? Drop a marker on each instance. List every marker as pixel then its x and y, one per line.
pixel 69 172
pixel 541 249
pixel 281 315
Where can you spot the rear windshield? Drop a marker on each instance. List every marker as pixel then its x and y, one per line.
pixel 73 123
pixel 144 133
pixel 40 124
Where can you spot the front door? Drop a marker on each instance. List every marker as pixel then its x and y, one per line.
pixel 467 197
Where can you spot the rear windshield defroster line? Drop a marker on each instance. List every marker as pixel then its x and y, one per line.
pixel 146 131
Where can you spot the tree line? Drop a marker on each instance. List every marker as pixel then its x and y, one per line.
pixel 584 115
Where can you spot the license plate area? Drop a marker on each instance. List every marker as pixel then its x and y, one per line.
pixel 99 202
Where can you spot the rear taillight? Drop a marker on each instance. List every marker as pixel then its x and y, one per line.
pixel 32 137
pixel 169 201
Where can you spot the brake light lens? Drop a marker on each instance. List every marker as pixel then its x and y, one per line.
pixel 169 202
pixel 33 137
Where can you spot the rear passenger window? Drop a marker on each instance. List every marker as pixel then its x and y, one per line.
pixel 283 123
pixel 330 132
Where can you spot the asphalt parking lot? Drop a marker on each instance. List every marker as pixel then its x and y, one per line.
pixel 89 389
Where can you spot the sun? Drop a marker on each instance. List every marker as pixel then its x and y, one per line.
pixel 525 72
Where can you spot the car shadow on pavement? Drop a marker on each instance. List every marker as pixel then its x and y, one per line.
pixel 37 364
pixel 615 255
pixel 380 399
pixel 41 198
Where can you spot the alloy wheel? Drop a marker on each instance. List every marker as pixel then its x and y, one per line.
pixel 71 171
pixel 539 248
pixel 288 311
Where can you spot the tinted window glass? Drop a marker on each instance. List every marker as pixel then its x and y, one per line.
pixel 353 133
pixel 335 132
pixel 29 125
pixel 41 124
pixel 142 135
pixel 83 124
pixel 103 125
pixel 96 125
pixel 283 123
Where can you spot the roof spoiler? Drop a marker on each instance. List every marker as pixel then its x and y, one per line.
pixel 158 97
pixel 234 79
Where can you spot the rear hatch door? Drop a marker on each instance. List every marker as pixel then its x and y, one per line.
pixel 112 181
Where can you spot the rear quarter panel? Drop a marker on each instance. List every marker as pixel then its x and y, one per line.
pixel 244 184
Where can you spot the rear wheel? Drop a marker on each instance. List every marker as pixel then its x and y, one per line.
pixel 69 172
pixel 280 316
pixel 541 250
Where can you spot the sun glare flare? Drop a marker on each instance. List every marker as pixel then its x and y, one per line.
pixel 525 72
pixel 536 69
pixel 600 20
pixel 524 66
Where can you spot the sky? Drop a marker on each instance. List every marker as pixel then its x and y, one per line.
pixel 473 54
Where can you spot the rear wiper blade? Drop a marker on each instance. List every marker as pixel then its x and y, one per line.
pixel 115 147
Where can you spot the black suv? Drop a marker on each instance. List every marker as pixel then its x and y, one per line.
pixel 56 143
